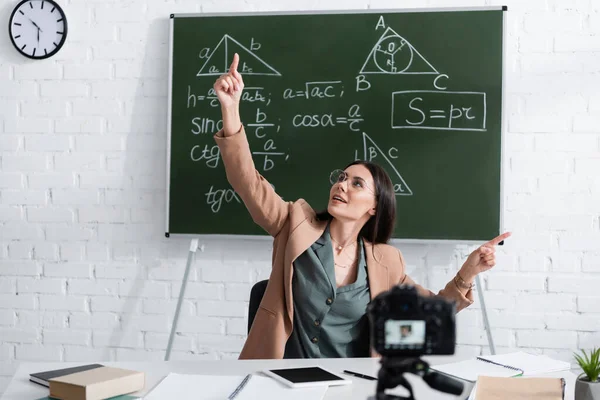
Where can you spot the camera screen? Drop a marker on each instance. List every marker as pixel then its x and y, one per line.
pixel 404 334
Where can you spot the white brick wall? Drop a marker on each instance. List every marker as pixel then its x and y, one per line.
pixel 86 275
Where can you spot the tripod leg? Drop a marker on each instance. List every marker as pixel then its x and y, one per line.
pixel 486 323
pixel 193 248
pixel 407 385
pixel 398 380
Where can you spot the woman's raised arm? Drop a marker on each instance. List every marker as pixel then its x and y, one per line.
pixel 266 207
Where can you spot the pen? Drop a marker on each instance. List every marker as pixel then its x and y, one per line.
pixel 240 387
pixel 360 375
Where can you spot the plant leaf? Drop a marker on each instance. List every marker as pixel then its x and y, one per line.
pixel 589 363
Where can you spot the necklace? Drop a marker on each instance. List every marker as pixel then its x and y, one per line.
pixel 339 246
pixel 352 260
pixel 344 266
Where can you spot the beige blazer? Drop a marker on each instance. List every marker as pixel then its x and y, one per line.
pixel 294 228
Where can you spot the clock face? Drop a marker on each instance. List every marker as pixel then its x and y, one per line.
pixel 38 28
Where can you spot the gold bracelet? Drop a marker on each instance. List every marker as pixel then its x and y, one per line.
pixel 460 282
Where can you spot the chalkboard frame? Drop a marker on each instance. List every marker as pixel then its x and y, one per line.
pixel 503 116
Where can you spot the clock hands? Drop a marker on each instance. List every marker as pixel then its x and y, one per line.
pixel 34 24
pixel 38 29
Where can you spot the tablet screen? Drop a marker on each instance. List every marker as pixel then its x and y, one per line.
pixel 308 374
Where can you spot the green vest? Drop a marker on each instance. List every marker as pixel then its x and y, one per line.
pixel 329 322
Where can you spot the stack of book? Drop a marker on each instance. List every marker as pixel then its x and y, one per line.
pixel 90 382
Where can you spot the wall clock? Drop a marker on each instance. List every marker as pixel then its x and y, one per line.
pixel 38 28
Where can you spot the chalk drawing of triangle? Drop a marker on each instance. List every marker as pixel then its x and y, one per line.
pixel 392 54
pixel 400 186
pixel 220 58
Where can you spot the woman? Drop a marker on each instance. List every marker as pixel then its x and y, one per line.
pixel 326 266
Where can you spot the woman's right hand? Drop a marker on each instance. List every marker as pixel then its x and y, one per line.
pixel 229 86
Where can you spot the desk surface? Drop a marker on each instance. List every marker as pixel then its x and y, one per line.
pixel 20 388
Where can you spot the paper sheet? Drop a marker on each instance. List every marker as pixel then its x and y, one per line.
pixel 219 387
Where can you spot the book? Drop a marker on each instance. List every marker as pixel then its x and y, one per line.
pixel 494 388
pixel 96 384
pixel 502 366
pixel 220 387
pixel 41 378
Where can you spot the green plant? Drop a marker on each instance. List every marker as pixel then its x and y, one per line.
pixel 590 364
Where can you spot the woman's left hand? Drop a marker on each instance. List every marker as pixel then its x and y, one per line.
pixel 482 259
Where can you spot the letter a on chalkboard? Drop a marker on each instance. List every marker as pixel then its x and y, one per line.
pixel 220 58
pixel 393 54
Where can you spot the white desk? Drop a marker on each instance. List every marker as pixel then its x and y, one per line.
pixel 20 388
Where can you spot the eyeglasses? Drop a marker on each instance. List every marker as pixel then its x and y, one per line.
pixel 356 184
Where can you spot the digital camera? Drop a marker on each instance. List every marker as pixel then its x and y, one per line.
pixel 406 324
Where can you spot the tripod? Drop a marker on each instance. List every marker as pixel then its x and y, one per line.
pixel 392 371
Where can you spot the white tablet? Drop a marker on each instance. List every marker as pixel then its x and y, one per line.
pixel 306 377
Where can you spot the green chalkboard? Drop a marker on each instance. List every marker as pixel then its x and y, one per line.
pixel 419 92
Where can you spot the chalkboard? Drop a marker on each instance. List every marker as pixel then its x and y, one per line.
pixel 419 92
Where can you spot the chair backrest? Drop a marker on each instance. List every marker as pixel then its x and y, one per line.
pixel 256 295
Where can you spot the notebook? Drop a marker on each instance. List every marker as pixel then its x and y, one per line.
pixel 502 365
pixel 531 364
pixel 43 377
pixel 219 387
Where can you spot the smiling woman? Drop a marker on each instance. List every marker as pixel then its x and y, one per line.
pixel 327 266
pixel 38 28
pixel 364 177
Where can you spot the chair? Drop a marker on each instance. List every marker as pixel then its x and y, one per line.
pixel 256 295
